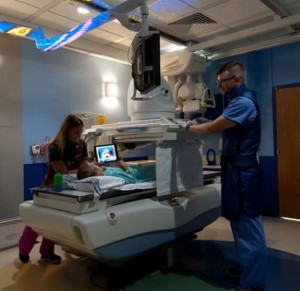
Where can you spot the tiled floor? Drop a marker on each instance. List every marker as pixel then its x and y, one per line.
pixel 75 273
pixel 281 234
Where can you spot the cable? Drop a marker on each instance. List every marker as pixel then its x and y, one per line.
pixel 144 31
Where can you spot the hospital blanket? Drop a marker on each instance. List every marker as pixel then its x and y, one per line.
pixel 100 184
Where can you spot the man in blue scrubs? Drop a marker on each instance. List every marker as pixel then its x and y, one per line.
pixel 241 200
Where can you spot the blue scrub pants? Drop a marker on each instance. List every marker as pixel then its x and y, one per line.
pixel 250 243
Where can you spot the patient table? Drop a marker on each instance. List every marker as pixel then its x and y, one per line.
pixel 120 225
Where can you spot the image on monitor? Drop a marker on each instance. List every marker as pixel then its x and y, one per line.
pixel 106 153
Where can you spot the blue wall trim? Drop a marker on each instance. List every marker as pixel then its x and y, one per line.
pixel 269 185
pixel 33 176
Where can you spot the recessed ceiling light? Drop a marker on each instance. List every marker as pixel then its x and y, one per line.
pixel 82 10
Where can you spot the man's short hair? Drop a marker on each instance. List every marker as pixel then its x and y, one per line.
pixel 231 66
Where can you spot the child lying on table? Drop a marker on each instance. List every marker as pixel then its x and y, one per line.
pixel 131 174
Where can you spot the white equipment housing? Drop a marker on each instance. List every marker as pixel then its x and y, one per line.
pixel 190 92
pixel 157 103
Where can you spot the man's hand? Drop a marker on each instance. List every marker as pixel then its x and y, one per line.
pixel 183 123
pixel 199 120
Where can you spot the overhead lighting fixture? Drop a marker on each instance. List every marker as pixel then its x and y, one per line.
pixel 82 10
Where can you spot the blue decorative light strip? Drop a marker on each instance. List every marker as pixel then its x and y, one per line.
pixel 17 30
pixel 55 42
pixel 99 3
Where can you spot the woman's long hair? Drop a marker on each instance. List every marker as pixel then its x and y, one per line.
pixel 60 139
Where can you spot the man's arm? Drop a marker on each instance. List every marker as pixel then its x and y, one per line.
pixel 218 125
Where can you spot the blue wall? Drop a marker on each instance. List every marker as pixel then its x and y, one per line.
pixel 57 83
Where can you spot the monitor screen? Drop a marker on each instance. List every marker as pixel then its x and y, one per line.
pixel 106 153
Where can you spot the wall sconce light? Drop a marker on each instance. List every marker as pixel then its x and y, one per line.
pixel 110 89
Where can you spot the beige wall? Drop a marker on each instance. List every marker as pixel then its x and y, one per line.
pixel 11 152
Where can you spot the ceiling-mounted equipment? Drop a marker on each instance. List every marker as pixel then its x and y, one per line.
pixel 190 92
pixel 145 56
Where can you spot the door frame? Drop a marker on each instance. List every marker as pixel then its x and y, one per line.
pixel 275 133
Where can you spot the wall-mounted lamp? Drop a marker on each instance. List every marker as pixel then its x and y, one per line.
pixel 110 89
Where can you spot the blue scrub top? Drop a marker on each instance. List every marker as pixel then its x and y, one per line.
pixel 245 137
pixel 240 170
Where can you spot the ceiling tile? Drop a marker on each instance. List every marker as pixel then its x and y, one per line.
pixel 166 11
pixel 104 35
pixel 116 28
pixel 36 3
pixel 70 11
pixel 55 21
pixel 17 9
pixel 237 10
